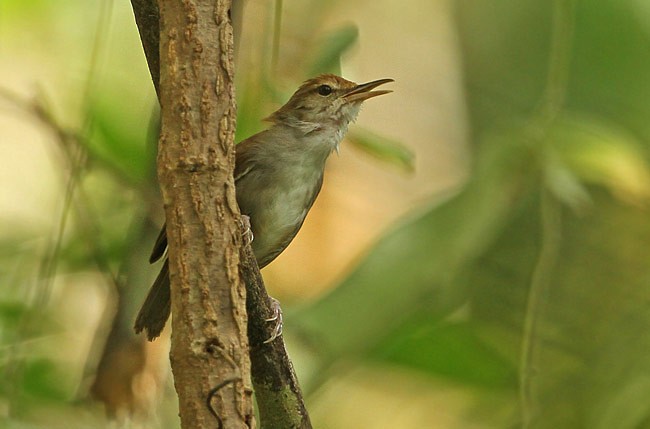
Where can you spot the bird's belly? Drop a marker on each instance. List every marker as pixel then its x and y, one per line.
pixel 280 216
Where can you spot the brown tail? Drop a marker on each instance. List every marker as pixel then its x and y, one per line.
pixel 156 308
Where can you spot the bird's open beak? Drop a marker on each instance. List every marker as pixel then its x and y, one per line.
pixel 365 91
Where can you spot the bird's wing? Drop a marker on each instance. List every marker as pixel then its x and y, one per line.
pixel 243 164
pixel 245 158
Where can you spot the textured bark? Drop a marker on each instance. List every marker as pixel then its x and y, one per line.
pixel 209 350
pixel 278 394
pixel 279 398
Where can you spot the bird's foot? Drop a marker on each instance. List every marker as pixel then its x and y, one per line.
pixel 277 318
pixel 247 232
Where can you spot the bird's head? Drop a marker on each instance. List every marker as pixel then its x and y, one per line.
pixel 326 101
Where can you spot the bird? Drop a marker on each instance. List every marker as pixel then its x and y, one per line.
pixel 278 175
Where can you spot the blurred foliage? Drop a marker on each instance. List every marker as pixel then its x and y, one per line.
pixel 383 148
pixel 327 58
pixel 544 252
pixel 120 148
pixel 448 349
pixel 530 282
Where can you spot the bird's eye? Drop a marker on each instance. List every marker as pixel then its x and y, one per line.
pixel 324 90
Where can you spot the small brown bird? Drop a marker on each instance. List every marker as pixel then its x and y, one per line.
pixel 278 174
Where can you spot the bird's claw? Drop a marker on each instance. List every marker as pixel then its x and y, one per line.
pixel 277 318
pixel 246 228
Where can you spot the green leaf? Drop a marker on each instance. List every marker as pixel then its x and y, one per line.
pixel 42 379
pixel 11 313
pixel 383 148
pixel 453 350
pixel 251 100
pixel 624 407
pixel 25 9
pixel 119 141
pixel 602 155
pixel 414 267
pixel 591 357
pixel 328 56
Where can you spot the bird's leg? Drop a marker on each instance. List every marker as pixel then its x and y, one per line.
pixel 277 318
pixel 246 228
pixel 247 233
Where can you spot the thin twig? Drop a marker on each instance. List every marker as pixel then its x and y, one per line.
pixel 277 31
pixel 551 224
pixel 550 210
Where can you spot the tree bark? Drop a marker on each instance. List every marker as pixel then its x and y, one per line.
pixel 209 350
pixel 278 394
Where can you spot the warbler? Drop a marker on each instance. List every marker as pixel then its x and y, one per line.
pixel 278 175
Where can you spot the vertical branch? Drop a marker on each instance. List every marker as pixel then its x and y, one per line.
pixel 209 350
pixel 279 398
pixel 277 391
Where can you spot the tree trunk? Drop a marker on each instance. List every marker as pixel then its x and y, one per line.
pixel 209 351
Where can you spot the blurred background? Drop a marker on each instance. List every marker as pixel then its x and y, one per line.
pixel 477 257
